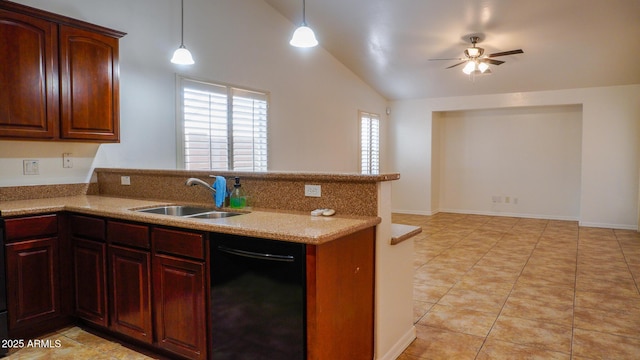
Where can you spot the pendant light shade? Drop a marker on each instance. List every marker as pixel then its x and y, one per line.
pixel 303 36
pixel 182 56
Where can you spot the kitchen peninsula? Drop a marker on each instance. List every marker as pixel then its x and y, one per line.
pixel 349 253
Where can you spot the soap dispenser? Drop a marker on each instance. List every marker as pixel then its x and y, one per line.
pixel 237 200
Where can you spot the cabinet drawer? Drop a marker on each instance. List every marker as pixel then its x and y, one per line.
pixel 87 227
pixel 128 234
pixel 31 227
pixel 177 242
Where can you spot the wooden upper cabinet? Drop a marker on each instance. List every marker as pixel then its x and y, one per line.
pixel 59 77
pixel 88 85
pixel 28 77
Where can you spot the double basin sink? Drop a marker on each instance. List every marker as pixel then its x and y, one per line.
pixel 193 212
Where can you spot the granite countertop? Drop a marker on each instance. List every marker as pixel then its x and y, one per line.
pixel 401 232
pixel 262 223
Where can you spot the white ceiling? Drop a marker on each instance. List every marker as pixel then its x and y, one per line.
pixel 566 43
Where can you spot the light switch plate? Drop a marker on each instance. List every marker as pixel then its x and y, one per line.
pixel 125 180
pixel 31 167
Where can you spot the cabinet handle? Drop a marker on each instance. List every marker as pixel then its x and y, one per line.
pixel 255 255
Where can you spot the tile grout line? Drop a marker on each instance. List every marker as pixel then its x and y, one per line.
pixel 510 291
pixel 635 281
pixel 575 289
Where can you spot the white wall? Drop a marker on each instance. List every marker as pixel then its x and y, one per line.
pixel 610 148
pixel 314 99
pixel 529 158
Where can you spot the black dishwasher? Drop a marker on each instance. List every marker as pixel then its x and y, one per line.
pixel 257 298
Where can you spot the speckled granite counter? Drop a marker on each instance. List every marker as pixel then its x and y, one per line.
pixel 268 224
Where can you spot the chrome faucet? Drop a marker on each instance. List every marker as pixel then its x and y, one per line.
pixel 196 181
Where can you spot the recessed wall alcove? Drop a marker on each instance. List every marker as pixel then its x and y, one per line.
pixel 519 161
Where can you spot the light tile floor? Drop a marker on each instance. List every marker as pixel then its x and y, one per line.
pixel 512 288
pixel 493 288
pixel 74 343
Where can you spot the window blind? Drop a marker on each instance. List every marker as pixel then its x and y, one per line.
pixel 224 128
pixel 369 143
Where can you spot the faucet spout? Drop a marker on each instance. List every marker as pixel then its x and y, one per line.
pixel 196 181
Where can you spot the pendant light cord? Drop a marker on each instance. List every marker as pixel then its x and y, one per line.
pixel 182 23
pixel 304 11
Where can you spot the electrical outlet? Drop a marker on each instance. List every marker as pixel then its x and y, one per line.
pixel 125 180
pixel 31 167
pixel 507 199
pixel 67 160
pixel 312 190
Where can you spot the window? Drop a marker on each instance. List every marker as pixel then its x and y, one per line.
pixel 369 143
pixel 221 127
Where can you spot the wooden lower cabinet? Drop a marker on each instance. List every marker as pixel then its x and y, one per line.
pixel 32 282
pixel 89 252
pixel 131 292
pixel 179 305
pixel 33 278
pixel 89 267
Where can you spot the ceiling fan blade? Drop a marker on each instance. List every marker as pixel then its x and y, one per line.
pixel 504 53
pixel 460 63
pixel 492 61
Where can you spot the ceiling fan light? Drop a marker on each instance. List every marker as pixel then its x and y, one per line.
pixel 483 67
pixel 473 51
pixel 303 37
pixel 469 67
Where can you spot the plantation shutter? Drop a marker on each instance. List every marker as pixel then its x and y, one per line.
pixel 206 145
pixel 249 126
pixel 223 128
pixel 369 143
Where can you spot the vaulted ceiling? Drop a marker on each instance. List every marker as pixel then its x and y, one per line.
pixel 388 43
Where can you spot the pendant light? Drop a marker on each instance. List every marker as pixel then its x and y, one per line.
pixel 182 56
pixel 303 36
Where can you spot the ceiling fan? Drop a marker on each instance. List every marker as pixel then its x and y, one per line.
pixel 475 60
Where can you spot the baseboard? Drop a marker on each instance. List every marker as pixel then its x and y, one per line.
pixel 413 212
pixel 400 346
pixel 509 214
pixel 608 226
pixel 519 215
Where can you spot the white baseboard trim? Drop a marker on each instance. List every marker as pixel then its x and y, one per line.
pixel 608 226
pixel 509 214
pixel 413 212
pixel 519 215
pixel 400 346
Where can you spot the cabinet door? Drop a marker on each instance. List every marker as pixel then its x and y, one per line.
pixel 131 289
pixel 32 282
pixel 28 77
pixel 89 265
pixel 179 305
pixel 88 85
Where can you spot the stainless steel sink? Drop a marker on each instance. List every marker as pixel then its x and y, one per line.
pixel 194 212
pixel 176 210
pixel 214 215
